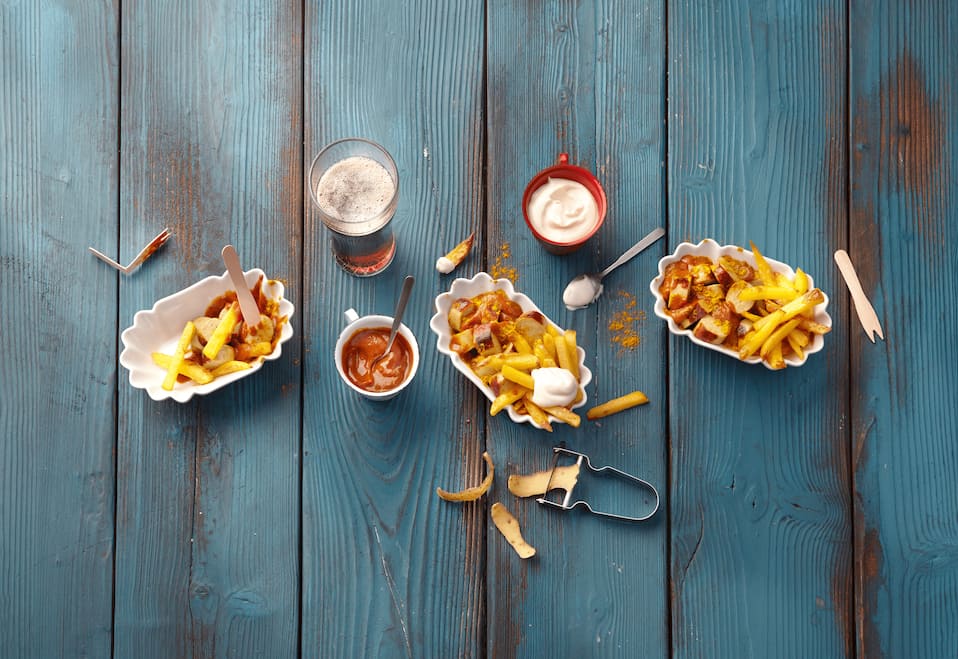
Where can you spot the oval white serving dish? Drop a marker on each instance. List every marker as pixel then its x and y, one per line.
pixel 713 250
pixel 483 283
pixel 159 328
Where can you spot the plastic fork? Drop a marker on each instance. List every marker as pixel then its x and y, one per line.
pixel 866 312
pixel 144 254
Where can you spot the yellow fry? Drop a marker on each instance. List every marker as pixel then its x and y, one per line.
pixel 800 282
pixel 542 354
pixel 537 413
pixel 509 528
pixel 222 332
pixel 177 359
pixel 562 354
pixel 507 398
pixel 814 328
pixel 471 493
pixel 565 415
pixel 761 330
pixel 549 343
pixel 795 345
pixel 617 405
pixel 195 372
pixel 776 337
pixel 775 358
pixel 231 366
pixel 458 253
pixel 514 375
pixel 767 293
pixel 800 337
pixel 522 346
pixel 764 269
pixel 573 353
pixel 522 362
pixel 803 303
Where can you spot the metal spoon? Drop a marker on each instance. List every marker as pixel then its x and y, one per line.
pixel 586 289
pixel 397 317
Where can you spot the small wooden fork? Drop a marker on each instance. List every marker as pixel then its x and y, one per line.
pixel 144 254
pixel 866 312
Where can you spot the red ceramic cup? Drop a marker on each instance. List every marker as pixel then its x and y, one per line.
pixel 562 169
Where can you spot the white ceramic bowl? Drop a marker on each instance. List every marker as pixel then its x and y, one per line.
pixel 159 328
pixel 355 322
pixel 713 250
pixel 483 283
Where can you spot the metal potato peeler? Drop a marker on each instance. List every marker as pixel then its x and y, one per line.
pixel 560 451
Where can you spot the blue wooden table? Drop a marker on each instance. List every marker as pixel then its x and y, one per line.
pixel 806 513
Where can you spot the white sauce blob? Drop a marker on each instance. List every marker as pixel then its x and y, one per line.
pixel 580 293
pixel 554 387
pixel 444 265
pixel 563 211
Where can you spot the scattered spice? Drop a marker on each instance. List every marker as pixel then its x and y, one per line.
pixel 623 325
pixel 502 270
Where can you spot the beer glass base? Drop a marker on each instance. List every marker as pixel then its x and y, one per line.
pixel 366 267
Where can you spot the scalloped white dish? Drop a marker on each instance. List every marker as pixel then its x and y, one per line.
pixel 713 250
pixel 159 328
pixel 483 283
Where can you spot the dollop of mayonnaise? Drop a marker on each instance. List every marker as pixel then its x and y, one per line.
pixel 563 211
pixel 444 265
pixel 553 387
pixel 580 293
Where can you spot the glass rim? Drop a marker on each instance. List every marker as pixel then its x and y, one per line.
pixel 374 145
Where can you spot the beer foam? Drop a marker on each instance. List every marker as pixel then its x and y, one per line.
pixel 355 189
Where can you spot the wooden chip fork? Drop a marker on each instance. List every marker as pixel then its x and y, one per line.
pixel 866 312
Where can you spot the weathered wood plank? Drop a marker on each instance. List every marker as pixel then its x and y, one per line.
pixel 587 79
pixel 760 561
pixel 904 122
pixel 58 187
pixel 208 492
pixel 388 568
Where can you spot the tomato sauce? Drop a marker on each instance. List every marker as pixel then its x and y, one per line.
pixel 363 347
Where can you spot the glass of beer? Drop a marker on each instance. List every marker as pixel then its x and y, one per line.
pixel 354 186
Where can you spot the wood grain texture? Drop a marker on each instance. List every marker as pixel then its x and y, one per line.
pixel 904 171
pixel 58 186
pixel 587 79
pixel 760 562
pixel 208 492
pixel 388 568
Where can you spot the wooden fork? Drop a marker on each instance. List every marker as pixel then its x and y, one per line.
pixel 866 312
pixel 158 241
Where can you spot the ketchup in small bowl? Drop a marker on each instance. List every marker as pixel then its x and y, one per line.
pixel 361 350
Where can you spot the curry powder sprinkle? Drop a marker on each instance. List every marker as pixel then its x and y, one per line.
pixel 624 323
pixel 502 270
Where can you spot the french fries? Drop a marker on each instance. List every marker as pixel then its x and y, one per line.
pixel 471 493
pixel 504 346
pixel 617 405
pixel 755 312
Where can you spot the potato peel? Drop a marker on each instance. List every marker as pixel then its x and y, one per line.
pixel 509 528
pixel 563 477
pixel 471 493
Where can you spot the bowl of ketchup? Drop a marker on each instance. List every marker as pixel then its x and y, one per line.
pixel 564 205
pixel 361 342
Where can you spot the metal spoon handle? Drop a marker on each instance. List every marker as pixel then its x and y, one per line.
pixel 400 308
pixel 634 250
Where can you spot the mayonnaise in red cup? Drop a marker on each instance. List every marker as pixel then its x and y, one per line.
pixel 564 205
